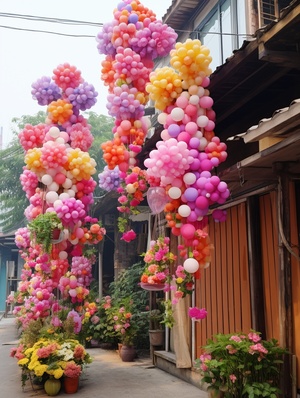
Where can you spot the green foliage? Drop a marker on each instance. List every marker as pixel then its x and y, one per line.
pixel 242 365
pixel 101 325
pixel 13 202
pixel 41 229
pixel 102 131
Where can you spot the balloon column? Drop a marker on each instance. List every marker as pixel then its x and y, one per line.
pixel 58 178
pixel 130 43
pixel 183 161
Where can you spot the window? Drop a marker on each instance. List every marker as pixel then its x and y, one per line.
pixel 223 30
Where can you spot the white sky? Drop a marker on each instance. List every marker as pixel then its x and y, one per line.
pixel 27 56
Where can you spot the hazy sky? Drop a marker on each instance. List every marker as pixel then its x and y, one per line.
pixel 26 56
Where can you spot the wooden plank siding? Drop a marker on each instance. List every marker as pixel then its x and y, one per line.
pixel 270 262
pixel 223 288
pixel 295 217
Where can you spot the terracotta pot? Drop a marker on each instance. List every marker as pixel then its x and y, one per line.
pixel 216 394
pixel 52 386
pixel 127 353
pixel 71 384
pixel 157 337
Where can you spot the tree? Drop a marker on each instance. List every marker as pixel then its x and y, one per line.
pixel 102 131
pixel 13 202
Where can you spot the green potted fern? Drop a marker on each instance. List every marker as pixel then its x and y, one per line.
pixel 43 229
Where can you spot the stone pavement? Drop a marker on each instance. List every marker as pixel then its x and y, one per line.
pixel 106 377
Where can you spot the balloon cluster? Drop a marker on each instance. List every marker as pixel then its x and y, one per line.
pixel 58 178
pixel 130 43
pixel 189 151
pixel 109 180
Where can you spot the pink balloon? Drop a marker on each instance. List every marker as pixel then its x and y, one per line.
pixel 157 199
pixel 202 202
pixel 188 231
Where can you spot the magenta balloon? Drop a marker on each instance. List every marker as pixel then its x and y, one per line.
pixel 202 202
pixel 215 180
pixel 191 194
pixel 195 165
pixel 192 217
pixel 184 136
pixel 206 165
pixel 209 187
pixel 222 186
pixel 188 231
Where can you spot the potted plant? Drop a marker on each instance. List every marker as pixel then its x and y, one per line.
pixel 241 365
pixel 42 227
pixel 126 328
pixel 156 327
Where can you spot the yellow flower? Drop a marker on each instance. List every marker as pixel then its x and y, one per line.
pixel 23 361
pixel 58 373
pixel 39 370
pixel 179 280
pixel 33 364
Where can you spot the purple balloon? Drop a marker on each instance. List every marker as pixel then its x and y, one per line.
pixel 191 194
pixel 173 130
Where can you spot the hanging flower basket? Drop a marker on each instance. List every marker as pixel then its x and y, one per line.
pixel 153 286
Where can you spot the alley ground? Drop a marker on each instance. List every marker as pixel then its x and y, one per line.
pixel 106 377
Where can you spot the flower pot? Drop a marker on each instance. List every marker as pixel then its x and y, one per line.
pixel 157 337
pixel 52 386
pixel 71 384
pixel 127 353
pixel 216 394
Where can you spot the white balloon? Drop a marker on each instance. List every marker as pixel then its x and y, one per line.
pixel 57 203
pixel 60 140
pixel 202 121
pixel 51 196
pixel 174 192
pixel 67 184
pixel 71 193
pixel 177 114
pixel 184 210
pixel 47 179
pixel 203 143
pixel 162 118
pixel 194 99
pixel 189 178
pixel 191 265
pixel 53 186
pixel 63 255
pixel 66 233
pixel 54 132
pixel 64 195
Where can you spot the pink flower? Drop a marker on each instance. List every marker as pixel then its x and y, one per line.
pixel 254 337
pixel 128 236
pixel 257 348
pixel 230 349
pixel 232 378
pixel 237 339
pixel 197 313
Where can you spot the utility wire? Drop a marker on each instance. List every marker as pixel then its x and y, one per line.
pixel 52 20
pixel 46 31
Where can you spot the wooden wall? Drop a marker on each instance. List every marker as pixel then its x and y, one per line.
pixel 224 288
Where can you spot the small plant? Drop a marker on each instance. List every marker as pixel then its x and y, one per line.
pixel 242 365
pixel 41 229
